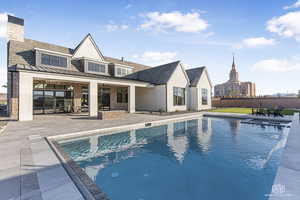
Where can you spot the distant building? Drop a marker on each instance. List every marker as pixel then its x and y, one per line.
pixel 233 87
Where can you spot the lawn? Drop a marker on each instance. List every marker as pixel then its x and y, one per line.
pixel 247 110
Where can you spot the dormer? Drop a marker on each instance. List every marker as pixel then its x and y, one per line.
pixel 90 56
pixel 122 70
pixel 44 57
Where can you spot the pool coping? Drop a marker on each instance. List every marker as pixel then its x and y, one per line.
pixel 82 181
pixel 287 180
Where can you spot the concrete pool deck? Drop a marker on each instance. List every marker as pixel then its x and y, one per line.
pixel 26 174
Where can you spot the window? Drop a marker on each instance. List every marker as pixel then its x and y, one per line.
pixel 204 95
pixel 54 60
pixel 95 67
pixel 179 96
pixel 123 71
pixel 122 95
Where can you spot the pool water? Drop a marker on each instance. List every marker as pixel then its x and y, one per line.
pixel 205 158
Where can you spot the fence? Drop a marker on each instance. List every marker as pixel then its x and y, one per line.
pixel 266 102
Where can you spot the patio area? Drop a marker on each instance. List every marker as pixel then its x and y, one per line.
pixel 20 140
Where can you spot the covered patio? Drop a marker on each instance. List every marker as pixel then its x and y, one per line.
pixel 44 93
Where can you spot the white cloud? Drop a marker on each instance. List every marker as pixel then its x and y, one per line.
pixel 254 42
pixel 155 57
pixel 295 5
pixel 3 22
pixel 161 22
pixel 286 25
pixel 115 27
pixel 278 65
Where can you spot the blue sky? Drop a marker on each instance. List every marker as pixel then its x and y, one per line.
pixel 264 35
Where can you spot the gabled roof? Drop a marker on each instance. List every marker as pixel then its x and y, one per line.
pixel 195 75
pixel 156 75
pixel 85 40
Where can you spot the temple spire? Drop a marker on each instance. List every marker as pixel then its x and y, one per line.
pixel 234 75
pixel 233 63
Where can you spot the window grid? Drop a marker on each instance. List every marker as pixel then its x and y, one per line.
pixel 122 95
pixel 204 95
pixel 178 96
pixel 95 67
pixel 58 61
pixel 123 71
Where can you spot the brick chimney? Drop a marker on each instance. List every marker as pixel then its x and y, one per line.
pixel 15 28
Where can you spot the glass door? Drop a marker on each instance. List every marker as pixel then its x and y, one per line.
pixel 104 98
pixel 49 102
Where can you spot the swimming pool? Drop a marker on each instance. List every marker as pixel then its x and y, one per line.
pixel 205 158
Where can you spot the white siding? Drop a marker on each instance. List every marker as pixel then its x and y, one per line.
pixel 178 79
pixel 151 99
pixel 204 83
pixel 88 50
pixel 193 98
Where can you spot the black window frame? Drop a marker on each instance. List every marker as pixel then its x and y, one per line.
pixel 122 95
pixel 96 67
pixel 179 96
pixel 204 96
pixel 53 60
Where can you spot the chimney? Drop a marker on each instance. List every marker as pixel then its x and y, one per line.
pixel 15 28
pixel 122 59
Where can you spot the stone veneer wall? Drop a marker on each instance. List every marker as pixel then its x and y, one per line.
pixel 272 102
pixel 13 94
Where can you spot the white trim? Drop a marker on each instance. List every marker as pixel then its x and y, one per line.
pixel 91 59
pixel 122 65
pixel 53 52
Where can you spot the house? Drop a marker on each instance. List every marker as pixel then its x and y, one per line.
pixel 45 78
pixel 200 89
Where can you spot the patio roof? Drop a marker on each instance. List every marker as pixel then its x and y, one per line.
pixel 56 70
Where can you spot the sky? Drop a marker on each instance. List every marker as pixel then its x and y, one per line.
pixel 264 35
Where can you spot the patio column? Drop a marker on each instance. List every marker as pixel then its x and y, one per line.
pixel 93 98
pixel 77 97
pixel 131 99
pixel 25 97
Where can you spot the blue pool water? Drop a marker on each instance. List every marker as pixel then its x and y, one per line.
pixel 205 158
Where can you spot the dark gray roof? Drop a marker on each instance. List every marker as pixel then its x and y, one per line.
pixel 155 75
pixel 65 72
pixel 21 53
pixel 194 75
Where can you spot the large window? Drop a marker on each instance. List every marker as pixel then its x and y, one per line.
pixel 179 96
pixel 122 95
pixel 204 95
pixel 95 67
pixel 57 61
pixel 123 71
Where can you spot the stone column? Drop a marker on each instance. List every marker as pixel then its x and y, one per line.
pixel 77 97
pixel 13 94
pixel 131 99
pixel 25 96
pixel 93 98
